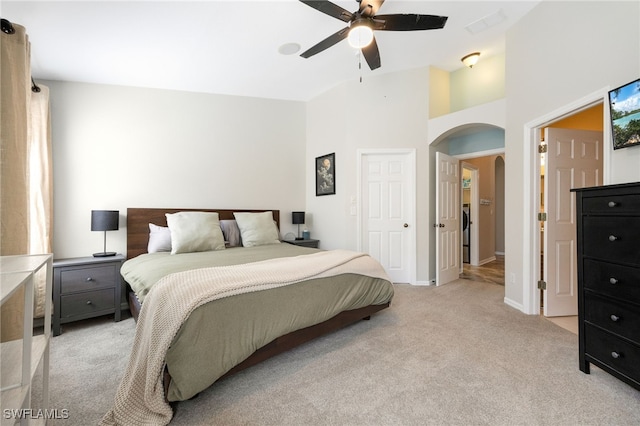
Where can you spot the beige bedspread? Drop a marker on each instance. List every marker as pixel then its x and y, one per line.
pixel 140 396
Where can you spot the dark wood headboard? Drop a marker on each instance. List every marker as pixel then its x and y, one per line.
pixel 138 221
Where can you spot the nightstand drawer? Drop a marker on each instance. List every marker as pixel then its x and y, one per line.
pixel 87 303
pixel 87 278
pixel 614 240
pixel 619 318
pixel 622 282
pixel 618 354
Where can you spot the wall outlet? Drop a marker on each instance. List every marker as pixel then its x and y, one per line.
pixel 512 278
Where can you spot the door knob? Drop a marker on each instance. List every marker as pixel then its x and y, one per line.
pixel 406 225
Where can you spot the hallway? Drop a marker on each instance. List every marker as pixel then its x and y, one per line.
pixel 492 272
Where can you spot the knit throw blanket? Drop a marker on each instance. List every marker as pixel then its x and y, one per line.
pixel 140 397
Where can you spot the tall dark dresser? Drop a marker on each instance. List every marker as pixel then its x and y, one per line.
pixel 608 245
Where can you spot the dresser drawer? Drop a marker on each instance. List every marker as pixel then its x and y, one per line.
pixel 88 278
pixel 87 303
pixel 612 239
pixel 612 204
pixel 613 351
pixel 616 317
pixel 613 280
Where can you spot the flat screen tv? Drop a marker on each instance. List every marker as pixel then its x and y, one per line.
pixel 624 106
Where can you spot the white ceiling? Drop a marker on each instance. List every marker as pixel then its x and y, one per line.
pixel 231 47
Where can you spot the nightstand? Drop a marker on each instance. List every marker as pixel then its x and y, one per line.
pixel 304 243
pixel 86 287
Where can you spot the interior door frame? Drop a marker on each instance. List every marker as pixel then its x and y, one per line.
pixel 531 174
pixel 410 154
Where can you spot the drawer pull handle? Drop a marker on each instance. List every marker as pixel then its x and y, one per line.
pixel 89 279
pixel 614 318
pixel 612 238
pixel 88 302
pixel 612 204
pixel 615 355
pixel 613 280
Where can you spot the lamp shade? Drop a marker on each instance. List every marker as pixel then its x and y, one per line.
pixel 104 220
pixel 297 218
pixel 360 36
pixel 471 59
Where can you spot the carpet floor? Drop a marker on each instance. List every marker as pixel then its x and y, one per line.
pixel 449 355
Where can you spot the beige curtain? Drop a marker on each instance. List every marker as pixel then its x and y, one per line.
pixel 25 142
pixel 40 186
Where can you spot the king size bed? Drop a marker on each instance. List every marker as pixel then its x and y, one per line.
pixel 215 291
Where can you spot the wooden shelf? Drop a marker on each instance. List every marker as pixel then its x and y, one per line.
pixel 22 357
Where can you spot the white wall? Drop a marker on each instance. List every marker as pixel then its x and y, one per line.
pixel 559 53
pixel 385 111
pixel 478 85
pixel 116 147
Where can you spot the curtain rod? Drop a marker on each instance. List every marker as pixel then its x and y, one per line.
pixel 7 28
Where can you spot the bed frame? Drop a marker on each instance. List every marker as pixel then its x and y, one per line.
pixel 138 220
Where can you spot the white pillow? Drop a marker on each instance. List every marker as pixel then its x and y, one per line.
pixel 257 229
pixel 159 239
pixel 194 231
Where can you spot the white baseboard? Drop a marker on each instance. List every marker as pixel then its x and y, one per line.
pixel 487 260
pixel 514 305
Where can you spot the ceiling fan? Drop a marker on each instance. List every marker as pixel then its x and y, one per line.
pixel 363 22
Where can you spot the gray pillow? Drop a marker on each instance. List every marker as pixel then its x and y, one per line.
pixel 231 233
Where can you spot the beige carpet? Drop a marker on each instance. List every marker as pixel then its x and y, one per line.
pixel 454 354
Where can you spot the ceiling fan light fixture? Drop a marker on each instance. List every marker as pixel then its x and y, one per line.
pixel 471 59
pixel 360 36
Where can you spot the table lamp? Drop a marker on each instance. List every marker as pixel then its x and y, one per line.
pixel 104 220
pixel 297 218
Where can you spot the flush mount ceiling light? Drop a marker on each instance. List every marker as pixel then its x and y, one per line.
pixel 289 48
pixel 360 35
pixel 471 59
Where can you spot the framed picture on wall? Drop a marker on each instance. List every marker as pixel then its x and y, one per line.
pixel 326 174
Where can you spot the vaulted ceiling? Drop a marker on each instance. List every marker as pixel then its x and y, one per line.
pixel 233 47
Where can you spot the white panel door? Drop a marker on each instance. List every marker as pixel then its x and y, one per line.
pixel 574 160
pixel 388 212
pixel 447 224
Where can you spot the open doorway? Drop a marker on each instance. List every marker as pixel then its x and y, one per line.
pixel 482 198
pixel 586 113
pixel 466 141
pixel 570 157
pixel 532 242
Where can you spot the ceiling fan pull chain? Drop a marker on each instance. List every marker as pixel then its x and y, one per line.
pixel 360 64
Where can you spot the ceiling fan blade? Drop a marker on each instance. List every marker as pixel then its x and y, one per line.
pixel 409 22
pixel 372 54
pixel 326 43
pixel 369 8
pixel 330 9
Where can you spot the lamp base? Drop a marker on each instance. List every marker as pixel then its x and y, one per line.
pixel 104 254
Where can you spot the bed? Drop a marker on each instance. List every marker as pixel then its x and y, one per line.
pixel 269 298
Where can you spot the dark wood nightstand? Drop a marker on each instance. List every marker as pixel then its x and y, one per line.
pixel 304 243
pixel 86 287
